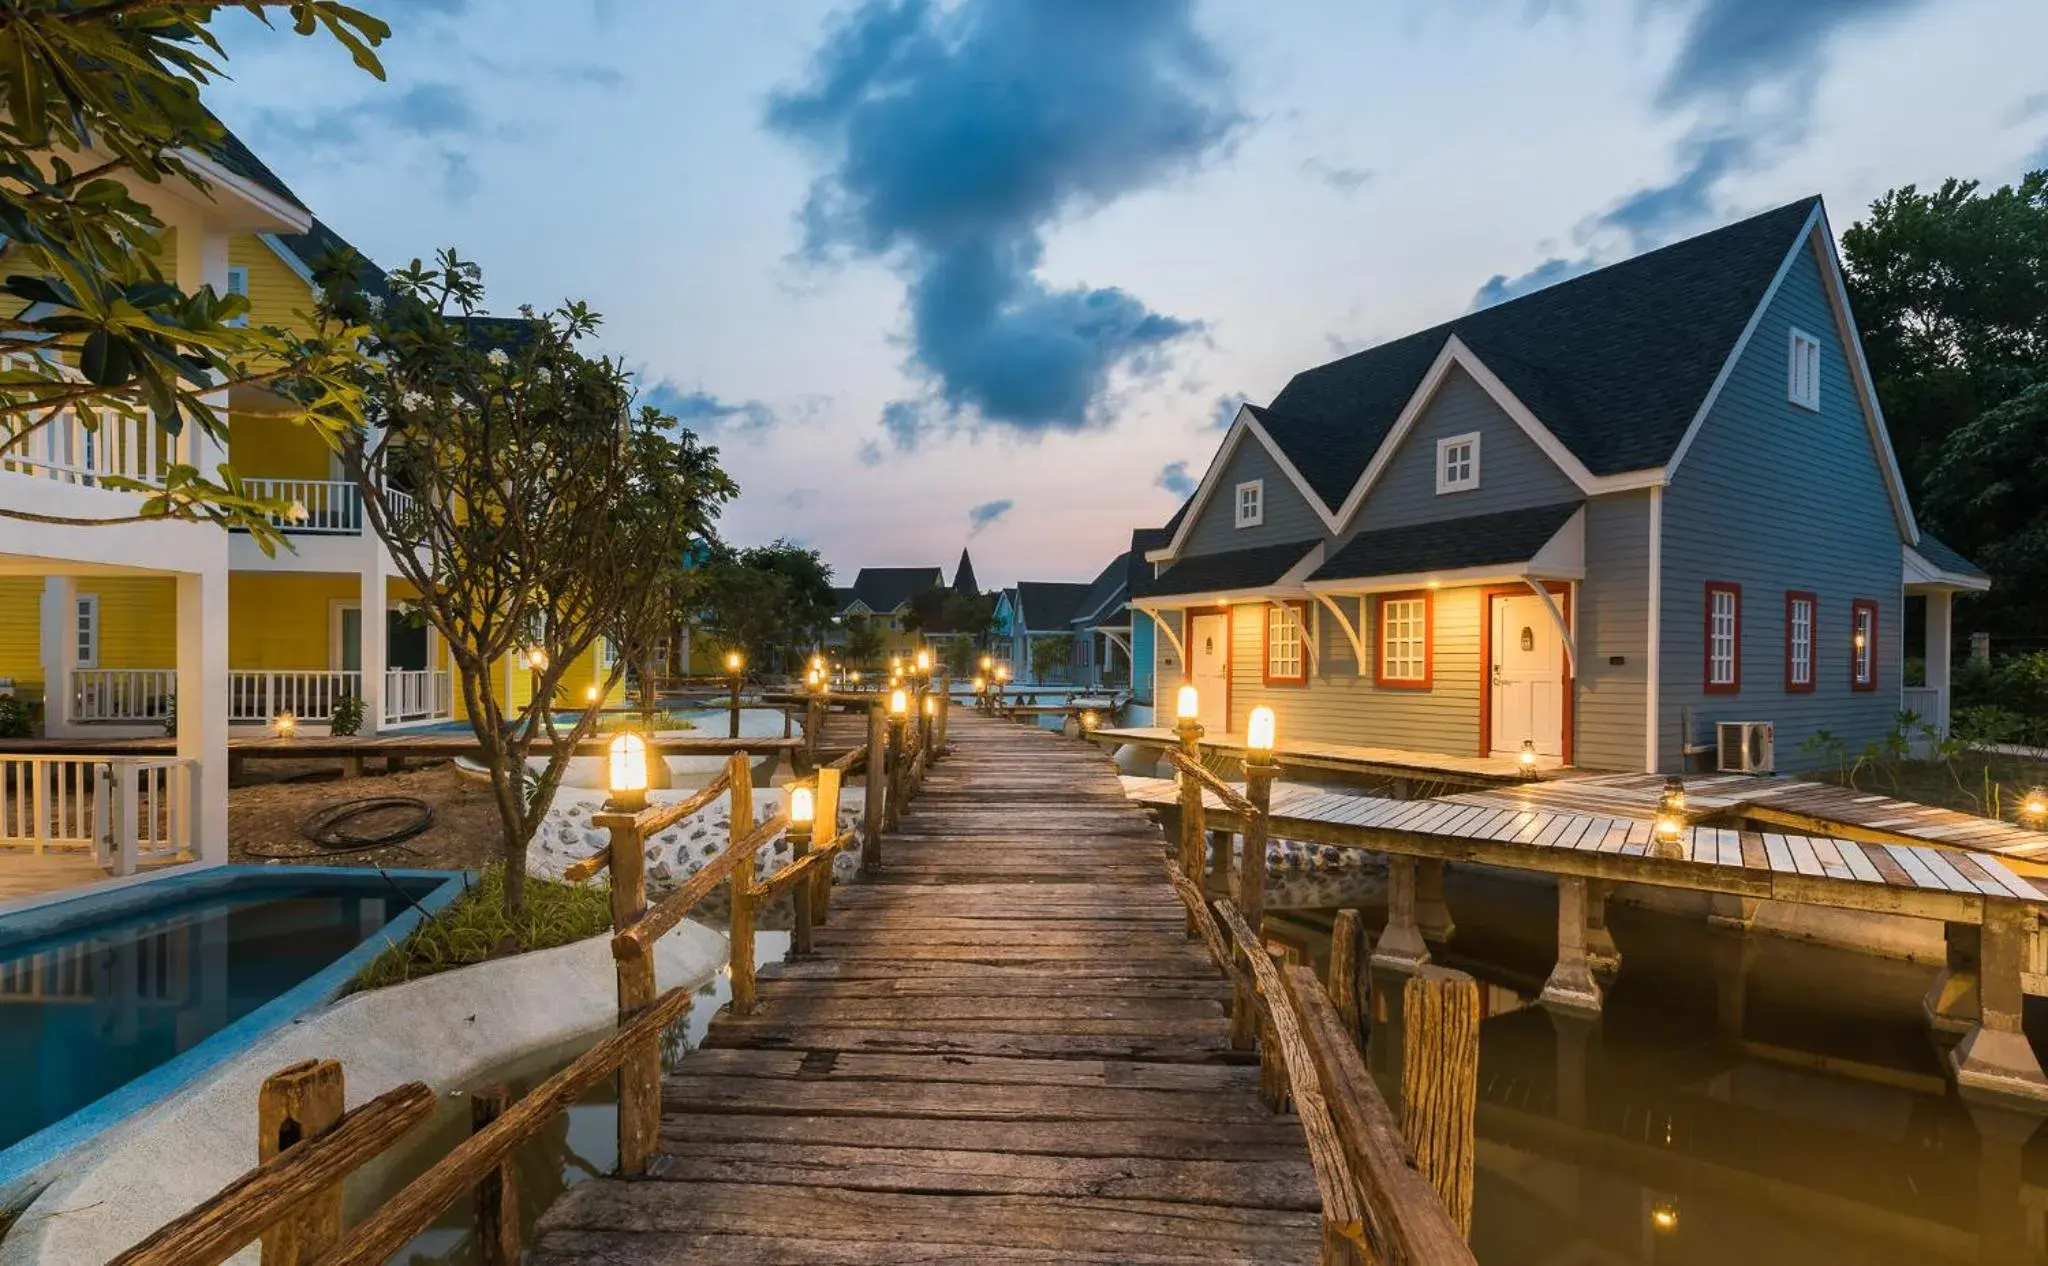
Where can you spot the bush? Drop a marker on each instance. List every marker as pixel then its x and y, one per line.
pixel 2015 683
pixel 474 928
pixel 1989 723
pixel 348 716
pixel 14 719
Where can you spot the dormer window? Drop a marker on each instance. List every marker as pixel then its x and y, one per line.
pixel 1802 373
pixel 1251 503
pixel 1457 463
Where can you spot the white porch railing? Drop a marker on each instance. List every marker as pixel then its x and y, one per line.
pixel 417 695
pixel 133 695
pixel 125 810
pixel 1924 702
pixel 85 447
pixel 307 695
pixel 324 507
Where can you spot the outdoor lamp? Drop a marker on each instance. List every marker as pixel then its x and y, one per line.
pixel 980 684
pixel 931 705
pixel 987 662
pixel 854 676
pixel 924 663
pixel 1671 812
pixel 1002 672
pixel 629 771
pixel 1089 719
pixel 1259 730
pixel 1674 794
pixel 895 664
pixel 803 806
pixel 817 663
pixel 2035 807
pixel 812 678
pixel 899 702
pixel 1528 757
pixel 1187 705
pixel 537 658
pixel 287 724
pixel 733 661
pixel 1664 1217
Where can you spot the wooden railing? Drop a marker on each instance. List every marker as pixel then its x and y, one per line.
pixel 307 1145
pixel 1382 1203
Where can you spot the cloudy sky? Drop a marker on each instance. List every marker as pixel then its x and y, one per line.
pixel 988 272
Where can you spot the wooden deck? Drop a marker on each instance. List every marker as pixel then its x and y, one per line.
pixel 402 746
pixel 1351 758
pixel 1005 1050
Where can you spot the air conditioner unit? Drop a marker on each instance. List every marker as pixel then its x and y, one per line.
pixel 1744 747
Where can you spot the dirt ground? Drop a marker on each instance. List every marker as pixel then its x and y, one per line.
pixel 265 816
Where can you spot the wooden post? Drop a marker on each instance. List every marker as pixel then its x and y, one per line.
pixel 733 709
pixel 1192 827
pixel 899 780
pixel 877 794
pixel 1440 1082
pixel 742 930
pixel 1259 772
pixel 1345 933
pixel 828 821
pixel 799 835
pixel 945 707
pixel 295 1104
pixel 497 1196
pixel 640 1075
pixel 1273 1086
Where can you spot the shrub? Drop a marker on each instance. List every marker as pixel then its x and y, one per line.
pixel 348 716
pixel 474 928
pixel 14 719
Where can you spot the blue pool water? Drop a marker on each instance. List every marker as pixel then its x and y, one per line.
pixel 107 1003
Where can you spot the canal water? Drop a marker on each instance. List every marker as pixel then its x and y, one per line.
pixel 1747 1100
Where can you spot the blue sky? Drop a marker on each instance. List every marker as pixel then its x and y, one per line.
pixel 988 272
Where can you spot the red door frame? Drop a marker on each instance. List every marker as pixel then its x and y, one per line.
pixel 1563 590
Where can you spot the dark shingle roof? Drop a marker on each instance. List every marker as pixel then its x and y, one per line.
pixel 1049 604
pixel 883 589
pixel 1938 553
pixel 1252 568
pixel 1615 362
pixel 312 248
pixel 1106 594
pixel 229 151
pixel 963 576
pixel 1510 536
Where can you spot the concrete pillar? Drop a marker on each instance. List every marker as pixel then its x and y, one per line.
pixel 1940 612
pixel 1571 986
pixel 203 261
pixel 2002 1214
pixel 1400 947
pixel 1601 950
pixel 1951 1001
pixel 373 648
pixel 59 651
pixel 203 705
pixel 1732 913
pixel 1994 1061
pixel 1732 954
pixel 1432 916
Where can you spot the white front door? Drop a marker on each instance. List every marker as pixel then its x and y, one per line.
pixel 1528 677
pixel 1209 668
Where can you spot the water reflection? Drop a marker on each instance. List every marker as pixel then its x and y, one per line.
pixel 1741 1098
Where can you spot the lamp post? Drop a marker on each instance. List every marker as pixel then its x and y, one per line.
pixel 734 662
pixel 1187 709
pixel 1259 772
pixel 288 725
pixel 2034 808
pixel 1002 675
pixel 1670 821
pixel 899 722
pixel 1527 758
pixel 628 773
pixel 803 817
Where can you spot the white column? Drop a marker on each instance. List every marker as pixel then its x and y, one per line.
pixel 203 261
pixel 59 651
pixel 1940 648
pixel 372 644
pixel 203 705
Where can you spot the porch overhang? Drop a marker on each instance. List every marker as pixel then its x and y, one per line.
pixel 1259 574
pixel 1940 571
pixel 1546 543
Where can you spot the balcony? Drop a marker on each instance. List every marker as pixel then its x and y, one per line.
pixel 86 448
pixel 148 696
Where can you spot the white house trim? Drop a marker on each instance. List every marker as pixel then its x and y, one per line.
pixel 1352 633
pixel 1165 629
pixel 1245 424
pixel 285 255
pixel 1654 620
pixel 1456 353
pixel 286 212
pixel 1852 343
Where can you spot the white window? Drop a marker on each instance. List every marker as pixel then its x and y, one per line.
pixel 1251 503
pixel 1724 638
pixel 1802 374
pixel 1863 645
pixel 1404 640
pixel 1283 644
pixel 238 284
pixel 88 630
pixel 1457 463
pixel 607 653
pixel 1799 642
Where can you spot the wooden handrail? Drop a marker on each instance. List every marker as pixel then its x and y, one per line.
pixel 247 1207
pixel 855 759
pixel 662 917
pixel 1197 903
pixel 1233 799
pixel 1412 1224
pixel 820 855
pixel 415 1208
pixel 1343 1208
pixel 649 821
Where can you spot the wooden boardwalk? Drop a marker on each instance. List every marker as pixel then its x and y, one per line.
pixel 1005 1049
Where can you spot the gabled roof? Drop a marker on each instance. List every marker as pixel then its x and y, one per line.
pixel 1106 595
pixel 1939 553
pixel 1615 362
pixel 238 159
pixel 306 251
pixel 1048 606
pixel 1242 569
pixel 1480 540
pixel 963 576
pixel 886 589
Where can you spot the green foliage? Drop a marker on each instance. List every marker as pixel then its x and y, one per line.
pixel 961 658
pixel 2015 684
pixel 770 602
pixel 347 717
pixel 1051 656
pixel 15 722
pixel 613 722
pixel 863 641
pixel 476 927
pixel 125 79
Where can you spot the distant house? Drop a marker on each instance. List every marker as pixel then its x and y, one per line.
pixel 906 603
pixel 1590 523
pixel 1034 611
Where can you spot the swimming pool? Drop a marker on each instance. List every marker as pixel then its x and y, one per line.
pixel 109 1002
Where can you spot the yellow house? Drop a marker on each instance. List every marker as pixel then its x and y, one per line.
pixel 99 650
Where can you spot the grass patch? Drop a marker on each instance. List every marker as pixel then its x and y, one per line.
pixel 1989 784
pixel 473 928
pixel 613 722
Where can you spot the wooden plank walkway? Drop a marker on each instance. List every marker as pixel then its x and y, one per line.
pixel 1005 1049
pixel 1353 758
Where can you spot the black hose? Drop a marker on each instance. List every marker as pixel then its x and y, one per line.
pixel 325 827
